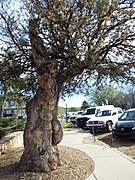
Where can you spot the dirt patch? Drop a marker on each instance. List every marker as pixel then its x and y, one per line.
pixel 126 146
pixel 75 165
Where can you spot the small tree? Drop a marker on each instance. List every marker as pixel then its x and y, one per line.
pixel 60 44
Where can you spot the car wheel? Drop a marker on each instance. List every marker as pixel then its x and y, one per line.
pixel 109 126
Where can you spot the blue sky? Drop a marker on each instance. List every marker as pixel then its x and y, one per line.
pixel 73 101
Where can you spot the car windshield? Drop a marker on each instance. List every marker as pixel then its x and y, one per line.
pixel 104 113
pixel 89 111
pixel 127 116
pixel 76 113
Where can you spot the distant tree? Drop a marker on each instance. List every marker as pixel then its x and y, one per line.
pixel 85 105
pixel 130 98
pixel 108 96
pixel 74 109
pixel 59 45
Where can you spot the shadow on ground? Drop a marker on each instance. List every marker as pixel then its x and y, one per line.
pixel 116 143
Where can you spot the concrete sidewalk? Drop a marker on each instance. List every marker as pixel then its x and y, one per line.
pixel 110 164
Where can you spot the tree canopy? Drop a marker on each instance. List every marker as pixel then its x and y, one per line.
pixel 108 96
pixel 59 46
pixel 83 38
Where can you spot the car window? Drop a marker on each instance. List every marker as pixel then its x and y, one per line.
pixel 104 113
pixel 89 111
pixel 76 113
pixel 126 116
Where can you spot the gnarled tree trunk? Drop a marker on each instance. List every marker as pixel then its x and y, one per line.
pixel 43 131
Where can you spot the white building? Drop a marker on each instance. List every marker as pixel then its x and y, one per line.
pixel 12 107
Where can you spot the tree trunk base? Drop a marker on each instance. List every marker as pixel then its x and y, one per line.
pixel 45 163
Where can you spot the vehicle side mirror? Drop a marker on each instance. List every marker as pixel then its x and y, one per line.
pixel 114 113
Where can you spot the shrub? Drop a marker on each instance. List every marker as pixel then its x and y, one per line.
pixel 65 124
pixel 4 132
pixel 9 124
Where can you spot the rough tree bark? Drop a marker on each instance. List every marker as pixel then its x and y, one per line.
pixel 43 131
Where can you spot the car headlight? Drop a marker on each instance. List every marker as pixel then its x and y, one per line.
pixel 133 128
pixel 87 122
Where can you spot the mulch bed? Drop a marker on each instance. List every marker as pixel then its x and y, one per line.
pixel 75 165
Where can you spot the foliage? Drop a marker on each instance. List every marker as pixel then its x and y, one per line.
pixel 65 124
pixel 8 124
pixel 108 95
pixel 83 38
pixel 4 132
pixel 60 111
pixel 59 46
pixel 130 98
pixel 85 105
pixel 73 109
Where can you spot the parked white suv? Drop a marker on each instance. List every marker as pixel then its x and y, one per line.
pixel 89 113
pixel 104 119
